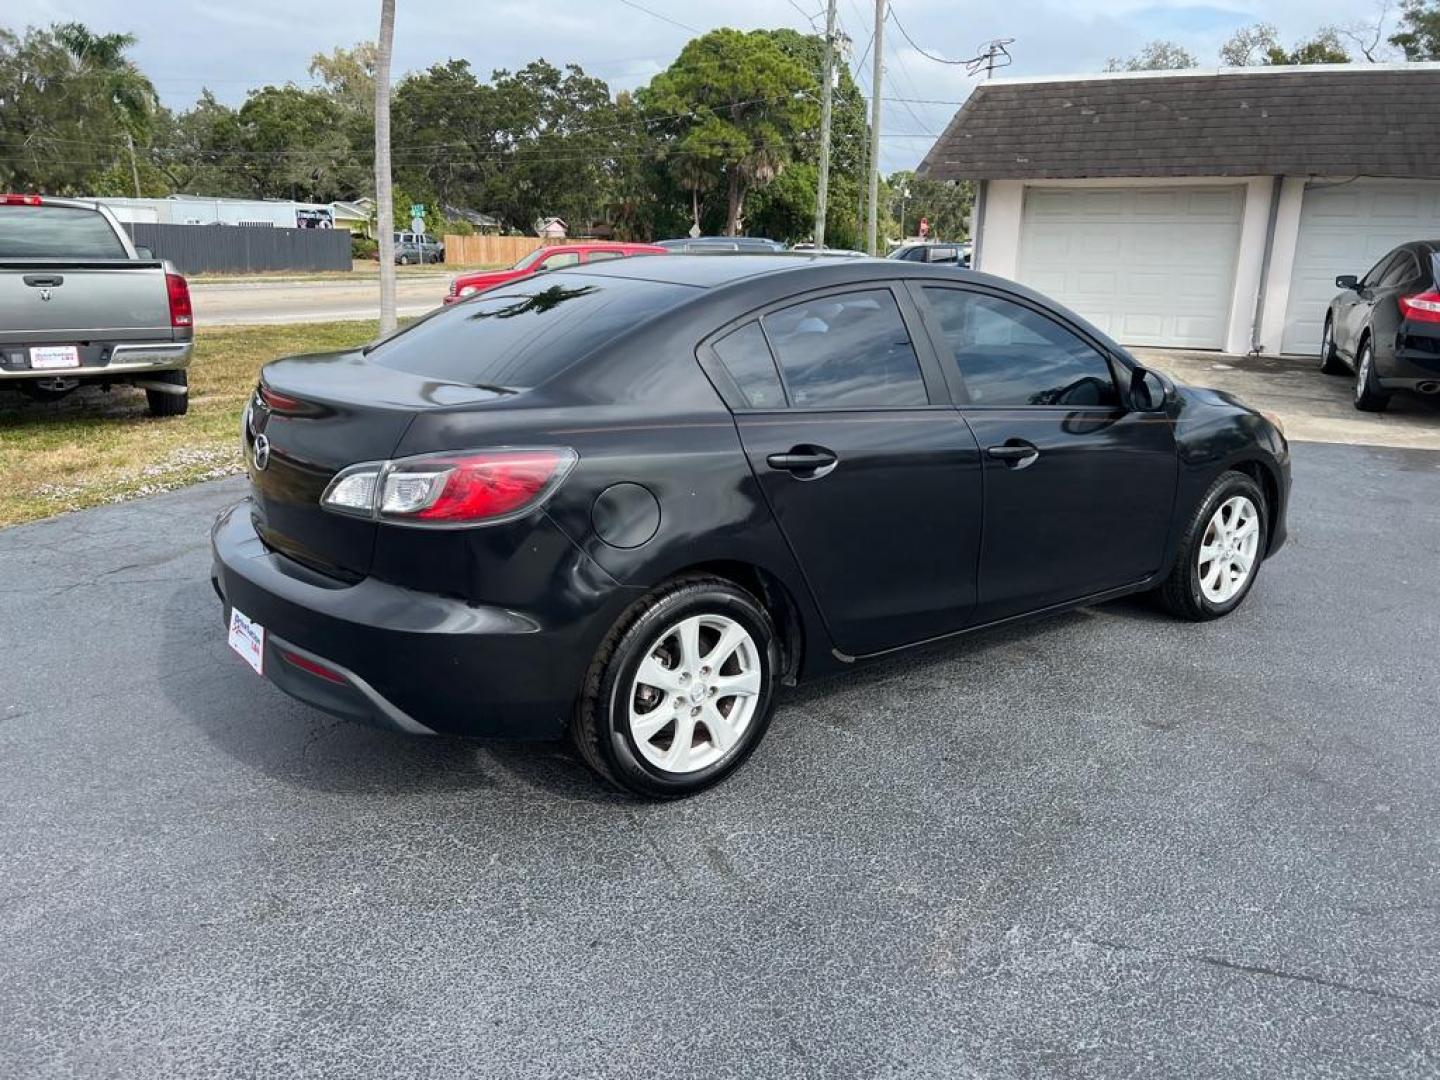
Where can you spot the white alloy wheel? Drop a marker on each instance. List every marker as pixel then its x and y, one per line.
pixel 695 693
pixel 1362 376
pixel 1229 549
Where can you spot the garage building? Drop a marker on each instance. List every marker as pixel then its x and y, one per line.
pixel 1201 210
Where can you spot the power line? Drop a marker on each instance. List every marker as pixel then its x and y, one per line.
pixel 662 18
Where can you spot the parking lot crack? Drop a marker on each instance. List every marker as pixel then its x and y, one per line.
pixel 1262 971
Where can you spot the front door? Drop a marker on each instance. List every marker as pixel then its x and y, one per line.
pixel 1078 491
pixel 874 483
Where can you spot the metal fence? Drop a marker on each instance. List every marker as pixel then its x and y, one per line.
pixel 239 249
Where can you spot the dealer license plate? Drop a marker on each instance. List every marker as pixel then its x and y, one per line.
pixel 53 357
pixel 247 637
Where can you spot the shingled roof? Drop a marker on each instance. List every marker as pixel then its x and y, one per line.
pixel 1333 120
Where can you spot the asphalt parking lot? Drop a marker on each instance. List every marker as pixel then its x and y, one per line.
pixel 1106 844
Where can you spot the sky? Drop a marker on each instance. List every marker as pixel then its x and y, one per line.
pixel 231 47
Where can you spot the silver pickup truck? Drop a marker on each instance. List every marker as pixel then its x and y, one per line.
pixel 80 304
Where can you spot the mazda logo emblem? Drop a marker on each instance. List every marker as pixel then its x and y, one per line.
pixel 261 452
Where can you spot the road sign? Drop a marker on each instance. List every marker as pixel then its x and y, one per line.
pixel 417 209
pixel 417 224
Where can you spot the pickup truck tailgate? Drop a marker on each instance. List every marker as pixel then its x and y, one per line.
pixel 53 300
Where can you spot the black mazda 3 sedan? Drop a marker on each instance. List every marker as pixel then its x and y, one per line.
pixel 1385 327
pixel 625 503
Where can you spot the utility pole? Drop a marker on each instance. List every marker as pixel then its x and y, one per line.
pixel 384 192
pixel 876 96
pixel 134 169
pixel 827 92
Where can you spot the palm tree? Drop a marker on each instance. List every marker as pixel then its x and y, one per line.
pixel 102 57
pixel 384 196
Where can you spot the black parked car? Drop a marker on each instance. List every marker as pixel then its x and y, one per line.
pixel 932 251
pixel 1385 327
pixel 629 500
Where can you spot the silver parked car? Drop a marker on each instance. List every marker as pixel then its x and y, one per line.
pixel 79 303
pixel 413 247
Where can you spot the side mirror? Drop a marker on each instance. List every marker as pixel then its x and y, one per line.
pixel 143 252
pixel 1347 281
pixel 1149 391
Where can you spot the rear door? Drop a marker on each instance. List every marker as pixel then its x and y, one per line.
pixel 873 478
pixel 1078 491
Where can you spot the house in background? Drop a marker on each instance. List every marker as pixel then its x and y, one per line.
pixel 262 213
pixel 551 228
pixel 484 224
pixel 1204 210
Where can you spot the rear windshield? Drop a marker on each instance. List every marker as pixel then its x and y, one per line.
pixel 523 334
pixel 56 232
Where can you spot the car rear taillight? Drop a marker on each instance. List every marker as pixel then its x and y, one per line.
pixel 20 200
pixel 280 403
pixel 1422 307
pixel 179 293
pixel 450 490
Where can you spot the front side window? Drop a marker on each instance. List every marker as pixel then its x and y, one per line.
pixel 746 357
pixel 1009 355
pixel 848 350
pixel 1372 279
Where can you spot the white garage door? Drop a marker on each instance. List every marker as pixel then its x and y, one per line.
pixel 1344 228
pixel 1149 266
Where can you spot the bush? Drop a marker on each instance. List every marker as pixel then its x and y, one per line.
pixel 362 247
pixel 459 227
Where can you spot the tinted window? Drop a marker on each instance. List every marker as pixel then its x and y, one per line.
pixel 56 232
pixel 747 358
pixel 524 333
pixel 557 262
pixel 1402 270
pixel 1010 355
pixel 601 256
pixel 944 254
pixel 847 350
pixel 1370 280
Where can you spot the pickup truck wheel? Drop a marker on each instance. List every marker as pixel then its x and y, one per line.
pixel 163 404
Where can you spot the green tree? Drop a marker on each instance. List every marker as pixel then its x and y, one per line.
pixel 1260 45
pixel 348 76
pixel 738 104
pixel 1419 36
pixel 944 205
pixel 1155 56
pixel 68 101
pixel 291 143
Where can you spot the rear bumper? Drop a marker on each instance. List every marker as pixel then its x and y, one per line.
pixel 399 659
pixel 1416 362
pixel 127 360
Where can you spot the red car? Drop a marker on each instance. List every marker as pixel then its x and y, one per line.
pixel 555 257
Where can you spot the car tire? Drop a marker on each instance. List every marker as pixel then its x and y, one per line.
pixel 1330 362
pixel 629 731
pixel 403 260
pixel 163 404
pixel 1368 395
pixel 1198 590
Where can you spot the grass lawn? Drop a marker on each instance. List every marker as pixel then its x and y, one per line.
pixel 94 447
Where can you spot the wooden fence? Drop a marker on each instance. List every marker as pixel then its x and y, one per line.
pixel 473 250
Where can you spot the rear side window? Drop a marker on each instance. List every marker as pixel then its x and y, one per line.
pixel 747 358
pixel 1404 269
pixel 525 333
pixel 56 232
pixel 849 350
pixel 601 256
pixel 1008 354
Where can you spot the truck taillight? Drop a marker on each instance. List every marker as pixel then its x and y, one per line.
pixel 1422 307
pixel 20 200
pixel 179 293
pixel 451 490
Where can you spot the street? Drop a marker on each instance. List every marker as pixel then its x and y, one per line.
pixel 300 301
pixel 1105 843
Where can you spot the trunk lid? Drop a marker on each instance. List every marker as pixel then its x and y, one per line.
pixel 319 414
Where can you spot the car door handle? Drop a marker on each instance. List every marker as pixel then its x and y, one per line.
pixel 1016 453
pixel 44 281
pixel 806 462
